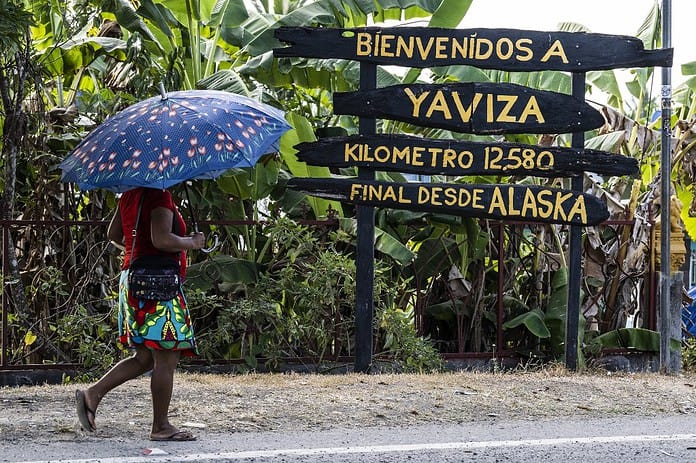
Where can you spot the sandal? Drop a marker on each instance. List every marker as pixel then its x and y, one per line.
pixel 84 412
pixel 179 436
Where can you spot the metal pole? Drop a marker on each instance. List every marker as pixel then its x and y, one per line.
pixel 364 260
pixel 501 285
pixel 575 261
pixel 666 171
pixel 4 331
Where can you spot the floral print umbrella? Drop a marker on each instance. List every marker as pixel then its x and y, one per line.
pixel 169 139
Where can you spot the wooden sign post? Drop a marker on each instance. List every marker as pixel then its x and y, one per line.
pixel 485 201
pixel 472 107
pixel 481 108
pixel 408 154
pixel 504 49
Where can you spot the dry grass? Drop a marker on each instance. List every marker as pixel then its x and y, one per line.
pixel 276 402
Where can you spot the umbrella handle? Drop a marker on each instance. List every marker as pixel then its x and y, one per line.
pixel 216 243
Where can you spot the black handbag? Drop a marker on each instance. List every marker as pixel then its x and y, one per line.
pixel 152 277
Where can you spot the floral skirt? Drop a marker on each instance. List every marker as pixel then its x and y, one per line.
pixel 160 325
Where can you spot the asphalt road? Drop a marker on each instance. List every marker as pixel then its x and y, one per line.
pixel 622 439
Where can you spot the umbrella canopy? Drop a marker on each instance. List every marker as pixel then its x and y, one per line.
pixel 169 139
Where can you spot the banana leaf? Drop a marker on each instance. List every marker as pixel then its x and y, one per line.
pixel 302 132
pixel 635 338
pixel 225 272
pixel 533 321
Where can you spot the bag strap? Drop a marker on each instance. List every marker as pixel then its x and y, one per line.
pixel 135 228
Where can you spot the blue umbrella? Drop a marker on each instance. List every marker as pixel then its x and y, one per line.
pixel 179 136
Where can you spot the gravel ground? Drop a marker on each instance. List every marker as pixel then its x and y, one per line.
pixel 274 402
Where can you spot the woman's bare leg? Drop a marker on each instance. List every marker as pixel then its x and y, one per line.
pixel 161 385
pixel 127 369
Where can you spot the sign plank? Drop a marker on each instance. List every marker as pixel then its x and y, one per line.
pixel 504 49
pixel 512 202
pixel 473 107
pixel 403 153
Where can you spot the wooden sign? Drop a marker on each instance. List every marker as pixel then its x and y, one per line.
pixel 403 153
pixel 474 107
pixel 504 49
pixel 511 202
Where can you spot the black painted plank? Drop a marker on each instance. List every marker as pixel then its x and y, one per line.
pixel 504 49
pixel 473 107
pixel 403 153
pixel 488 201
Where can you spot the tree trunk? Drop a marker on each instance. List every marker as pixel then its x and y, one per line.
pixel 11 92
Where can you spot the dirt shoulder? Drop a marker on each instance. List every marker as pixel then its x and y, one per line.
pixel 274 402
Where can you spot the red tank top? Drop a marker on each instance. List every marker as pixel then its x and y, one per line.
pixel 152 199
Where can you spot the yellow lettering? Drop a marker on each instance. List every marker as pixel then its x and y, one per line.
pixel 381 154
pixel 464 197
pixel 355 190
pixel 465 113
pixel 401 155
pixel 558 206
pixel 403 47
pixel 423 195
pixel 416 157
pixel 556 49
pixel 451 197
pixel 497 202
pixel 424 52
pixel 349 152
pixel 448 158
pixel 363 44
pixel 541 200
pixel 375 48
pixel 511 202
pixel 389 194
pixel 386 45
pixel 416 100
pixel 579 209
pixel 489 108
pixel 480 52
pixel 509 101
pixel 465 164
pixel 532 109
pixel 441 47
pixel 529 204
pixel 458 48
pixel 507 44
pixel 472 47
pixel 439 104
pixel 434 153
pixel 521 46
pixel 476 198
pixel 435 196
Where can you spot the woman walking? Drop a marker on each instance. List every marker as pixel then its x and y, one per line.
pixel 148 223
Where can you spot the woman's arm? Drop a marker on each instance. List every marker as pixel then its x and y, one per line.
pixel 164 239
pixel 115 231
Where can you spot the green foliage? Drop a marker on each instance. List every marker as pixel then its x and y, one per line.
pixel 688 353
pixel 300 305
pixel 533 321
pixel 315 286
pixel 235 329
pixel 89 341
pixel 411 353
pixel 89 338
pixel 14 26
pixel 638 339
pixel 276 288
